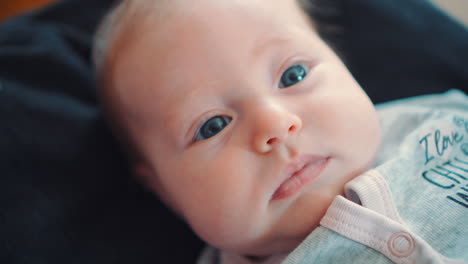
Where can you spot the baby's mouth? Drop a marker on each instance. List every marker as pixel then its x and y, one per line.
pixel 305 170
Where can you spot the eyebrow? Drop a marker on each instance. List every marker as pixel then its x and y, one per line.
pixel 264 45
pixel 190 112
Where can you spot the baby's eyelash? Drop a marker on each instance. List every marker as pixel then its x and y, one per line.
pixel 293 75
pixel 211 127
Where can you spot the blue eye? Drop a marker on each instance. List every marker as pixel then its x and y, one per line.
pixel 212 127
pixel 293 75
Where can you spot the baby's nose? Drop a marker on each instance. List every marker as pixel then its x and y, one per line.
pixel 273 126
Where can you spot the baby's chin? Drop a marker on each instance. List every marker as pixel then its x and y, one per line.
pixel 272 243
pixel 268 249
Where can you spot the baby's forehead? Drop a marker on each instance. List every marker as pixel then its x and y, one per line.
pixel 142 17
pixel 179 49
pixel 163 14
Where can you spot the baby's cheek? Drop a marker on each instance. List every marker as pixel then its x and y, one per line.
pixel 220 227
pixel 214 207
pixel 363 138
pixel 353 129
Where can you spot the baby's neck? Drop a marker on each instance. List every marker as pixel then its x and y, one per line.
pixel 233 258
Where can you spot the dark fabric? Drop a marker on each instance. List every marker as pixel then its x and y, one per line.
pixel 402 48
pixel 65 193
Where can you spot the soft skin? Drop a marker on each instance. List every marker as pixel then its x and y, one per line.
pixel 226 58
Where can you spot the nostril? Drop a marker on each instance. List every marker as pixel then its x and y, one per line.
pixel 271 141
pixel 292 128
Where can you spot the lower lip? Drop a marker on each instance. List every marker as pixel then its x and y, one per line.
pixel 301 178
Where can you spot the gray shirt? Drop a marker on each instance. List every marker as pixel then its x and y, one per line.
pixel 413 206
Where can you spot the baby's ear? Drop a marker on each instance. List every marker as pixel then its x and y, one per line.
pixel 146 175
pixel 142 171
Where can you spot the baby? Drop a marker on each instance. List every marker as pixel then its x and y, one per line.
pixel 244 122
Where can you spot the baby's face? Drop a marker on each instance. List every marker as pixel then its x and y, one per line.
pixel 249 124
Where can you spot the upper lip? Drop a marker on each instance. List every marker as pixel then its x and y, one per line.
pixel 298 165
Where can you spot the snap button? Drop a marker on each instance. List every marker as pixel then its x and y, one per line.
pixel 401 244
